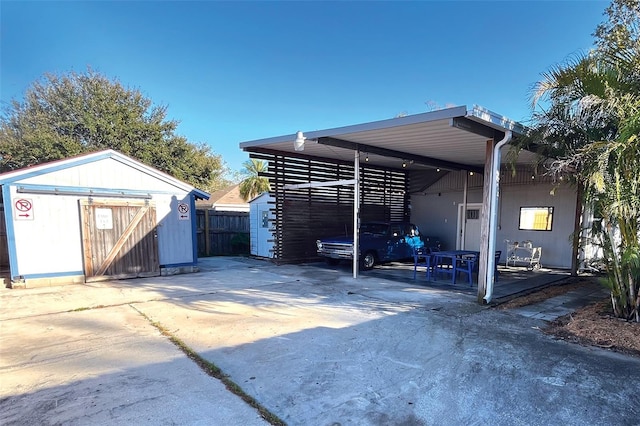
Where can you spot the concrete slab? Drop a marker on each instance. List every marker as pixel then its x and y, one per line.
pixel 315 347
pixel 105 366
pixel 554 307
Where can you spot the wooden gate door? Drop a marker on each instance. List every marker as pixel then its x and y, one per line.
pixel 119 239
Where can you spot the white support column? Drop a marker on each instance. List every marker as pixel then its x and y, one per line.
pixel 463 227
pixel 356 212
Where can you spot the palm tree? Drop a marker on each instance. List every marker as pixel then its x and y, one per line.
pixel 591 125
pixel 253 184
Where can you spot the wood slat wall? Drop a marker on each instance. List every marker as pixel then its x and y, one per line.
pixel 304 215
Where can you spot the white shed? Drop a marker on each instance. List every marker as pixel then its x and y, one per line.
pixel 97 216
pixel 260 217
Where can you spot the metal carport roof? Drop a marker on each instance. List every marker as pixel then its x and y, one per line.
pixel 457 138
pixel 451 139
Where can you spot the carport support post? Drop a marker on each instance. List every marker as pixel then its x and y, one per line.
pixel 356 211
pixel 486 270
pixel 484 224
pixel 463 225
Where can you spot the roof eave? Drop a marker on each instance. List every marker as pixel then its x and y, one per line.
pixel 426 117
pixel 496 121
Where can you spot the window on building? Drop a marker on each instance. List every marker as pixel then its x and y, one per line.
pixel 536 218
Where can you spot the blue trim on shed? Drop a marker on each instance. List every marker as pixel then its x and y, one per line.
pixel 177 265
pixel 53 274
pixel 53 167
pixel 200 194
pixel 11 232
pixel 194 229
pixel 87 191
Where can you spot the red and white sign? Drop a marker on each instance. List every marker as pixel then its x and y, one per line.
pixel 183 211
pixel 23 208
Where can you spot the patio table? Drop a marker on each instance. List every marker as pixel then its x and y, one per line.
pixel 446 262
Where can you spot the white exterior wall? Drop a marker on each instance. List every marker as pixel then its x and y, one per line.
pixel 436 214
pixel 259 235
pixel 50 243
pixel 106 173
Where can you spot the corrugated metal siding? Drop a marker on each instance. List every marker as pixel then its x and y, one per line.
pixel 454 181
pixel 556 244
pixel 436 213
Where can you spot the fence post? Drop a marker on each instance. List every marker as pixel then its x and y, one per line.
pixel 207 237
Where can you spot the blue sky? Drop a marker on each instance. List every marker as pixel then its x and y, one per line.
pixel 237 71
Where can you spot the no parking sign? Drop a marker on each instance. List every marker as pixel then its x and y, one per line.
pixel 184 211
pixel 23 208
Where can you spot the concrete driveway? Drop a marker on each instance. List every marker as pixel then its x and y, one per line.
pixel 310 344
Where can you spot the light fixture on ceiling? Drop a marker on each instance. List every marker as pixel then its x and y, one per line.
pixel 366 158
pixel 298 144
pixel 438 169
pixel 470 173
pixel 404 164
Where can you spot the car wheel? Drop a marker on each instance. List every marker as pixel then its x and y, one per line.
pixel 332 262
pixel 368 260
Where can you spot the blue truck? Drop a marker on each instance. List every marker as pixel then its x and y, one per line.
pixel 380 242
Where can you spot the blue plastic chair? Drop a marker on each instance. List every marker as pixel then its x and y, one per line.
pixel 469 265
pixel 422 257
pixel 496 272
pixel 466 265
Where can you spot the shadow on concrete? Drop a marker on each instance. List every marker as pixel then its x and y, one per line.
pixel 313 346
pixel 512 281
pixel 342 364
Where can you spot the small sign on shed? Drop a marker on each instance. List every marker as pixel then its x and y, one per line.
pixel 104 218
pixel 23 209
pixel 183 211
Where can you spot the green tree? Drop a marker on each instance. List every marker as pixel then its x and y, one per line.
pixel 253 184
pixel 75 113
pixel 587 114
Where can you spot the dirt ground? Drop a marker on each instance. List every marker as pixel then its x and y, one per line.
pixel 593 325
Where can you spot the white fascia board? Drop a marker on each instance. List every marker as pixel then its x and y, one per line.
pixel 494 120
pixel 443 114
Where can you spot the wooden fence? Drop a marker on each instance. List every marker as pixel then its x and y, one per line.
pixel 222 233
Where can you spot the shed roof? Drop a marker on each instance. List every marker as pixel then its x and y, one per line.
pixel 228 198
pixel 44 168
pixel 452 139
